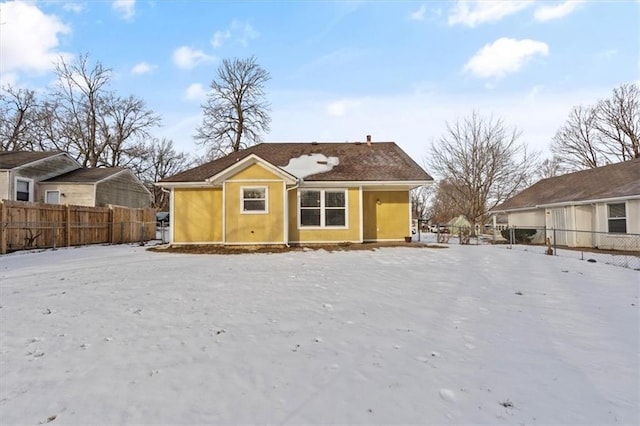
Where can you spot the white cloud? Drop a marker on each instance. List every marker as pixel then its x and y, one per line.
pixel 142 68
pixel 238 31
pixel 219 38
pixel 337 108
pixel 418 15
pixel 195 92
pixel 186 58
pixel 75 7
pixel 547 13
pixel 473 13
pixel 504 56
pixel 29 39
pixel 126 8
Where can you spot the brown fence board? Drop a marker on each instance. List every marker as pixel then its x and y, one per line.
pixel 25 225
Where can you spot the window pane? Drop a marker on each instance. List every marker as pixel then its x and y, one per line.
pixel 617 210
pixel 334 217
pixel 334 199
pixel 22 186
pixel 310 217
pixel 53 197
pixel 310 199
pixel 254 205
pixel 618 226
pixel 252 193
pixel 22 196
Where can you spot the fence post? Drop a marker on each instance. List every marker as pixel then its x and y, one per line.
pixel 4 223
pixel 54 234
pixel 142 233
pixel 555 247
pixel 121 232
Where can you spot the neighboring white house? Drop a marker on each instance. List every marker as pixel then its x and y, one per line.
pixel 598 207
pixel 56 178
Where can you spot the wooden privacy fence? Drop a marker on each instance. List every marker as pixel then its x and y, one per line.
pixel 25 225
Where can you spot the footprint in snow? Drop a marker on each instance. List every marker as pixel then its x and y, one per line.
pixel 447 395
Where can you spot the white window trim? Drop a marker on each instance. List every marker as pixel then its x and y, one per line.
pixel 31 187
pixel 322 209
pixel 266 200
pixel 48 191
pixel 626 222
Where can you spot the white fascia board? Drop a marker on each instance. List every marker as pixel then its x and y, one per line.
pixel 593 201
pixel 365 184
pixel 185 185
pixel 246 162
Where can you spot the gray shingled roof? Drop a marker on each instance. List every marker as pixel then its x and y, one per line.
pixel 91 175
pixel 12 159
pixel 612 181
pixel 380 161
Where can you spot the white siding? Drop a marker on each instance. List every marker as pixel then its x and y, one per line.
pixel 76 194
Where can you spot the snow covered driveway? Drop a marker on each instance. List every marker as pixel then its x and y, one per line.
pixel 466 334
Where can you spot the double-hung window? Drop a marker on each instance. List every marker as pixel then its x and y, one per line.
pixel 24 187
pixel 617 218
pixel 254 199
pixel 323 208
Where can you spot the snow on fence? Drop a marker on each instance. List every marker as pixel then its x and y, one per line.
pixel 25 225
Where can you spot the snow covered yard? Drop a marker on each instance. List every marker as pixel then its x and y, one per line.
pixel 466 334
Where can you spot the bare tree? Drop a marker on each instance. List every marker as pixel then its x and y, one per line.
pixel 618 121
pixel 420 201
pixel 162 160
pixel 17 117
pixel 236 112
pixel 550 167
pixel 444 206
pixel 606 133
pixel 578 144
pixel 483 164
pixel 91 122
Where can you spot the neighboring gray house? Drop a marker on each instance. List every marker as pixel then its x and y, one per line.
pixel 56 178
pixel 605 201
pixel 20 172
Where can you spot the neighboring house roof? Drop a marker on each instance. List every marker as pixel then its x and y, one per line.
pixel 356 161
pixel 618 180
pixel 92 175
pixel 13 159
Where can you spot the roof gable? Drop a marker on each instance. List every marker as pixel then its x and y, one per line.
pixel 380 161
pixel 618 180
pixel 243 164
pixel 13 159
pixel 91 175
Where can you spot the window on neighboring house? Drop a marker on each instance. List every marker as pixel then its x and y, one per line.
pixel 617 218
pixel 23 190
pixel 52 197
pixel 323 208
pixel 254 200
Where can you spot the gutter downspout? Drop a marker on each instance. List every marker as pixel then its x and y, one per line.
pixel 286 216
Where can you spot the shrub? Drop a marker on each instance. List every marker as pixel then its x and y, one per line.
pixel 522 236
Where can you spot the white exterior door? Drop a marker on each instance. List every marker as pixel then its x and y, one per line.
pixel 559 224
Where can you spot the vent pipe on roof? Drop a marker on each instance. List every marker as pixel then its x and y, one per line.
pixel 368 140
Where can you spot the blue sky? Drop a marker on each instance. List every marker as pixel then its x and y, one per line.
pixel 341 70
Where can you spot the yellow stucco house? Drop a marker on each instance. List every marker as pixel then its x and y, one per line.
pixel 296 193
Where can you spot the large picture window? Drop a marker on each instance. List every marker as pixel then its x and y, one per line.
pixel 254 200
pixel 23 190
pixel 323 208
pixel 617 218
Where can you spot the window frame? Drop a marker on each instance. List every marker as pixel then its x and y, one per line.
pixel 243 210
pixel 323 208
pixel 30 188
pixel 51 191
pixel 622 219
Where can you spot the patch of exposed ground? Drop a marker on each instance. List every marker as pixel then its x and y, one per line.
pixel 218 249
